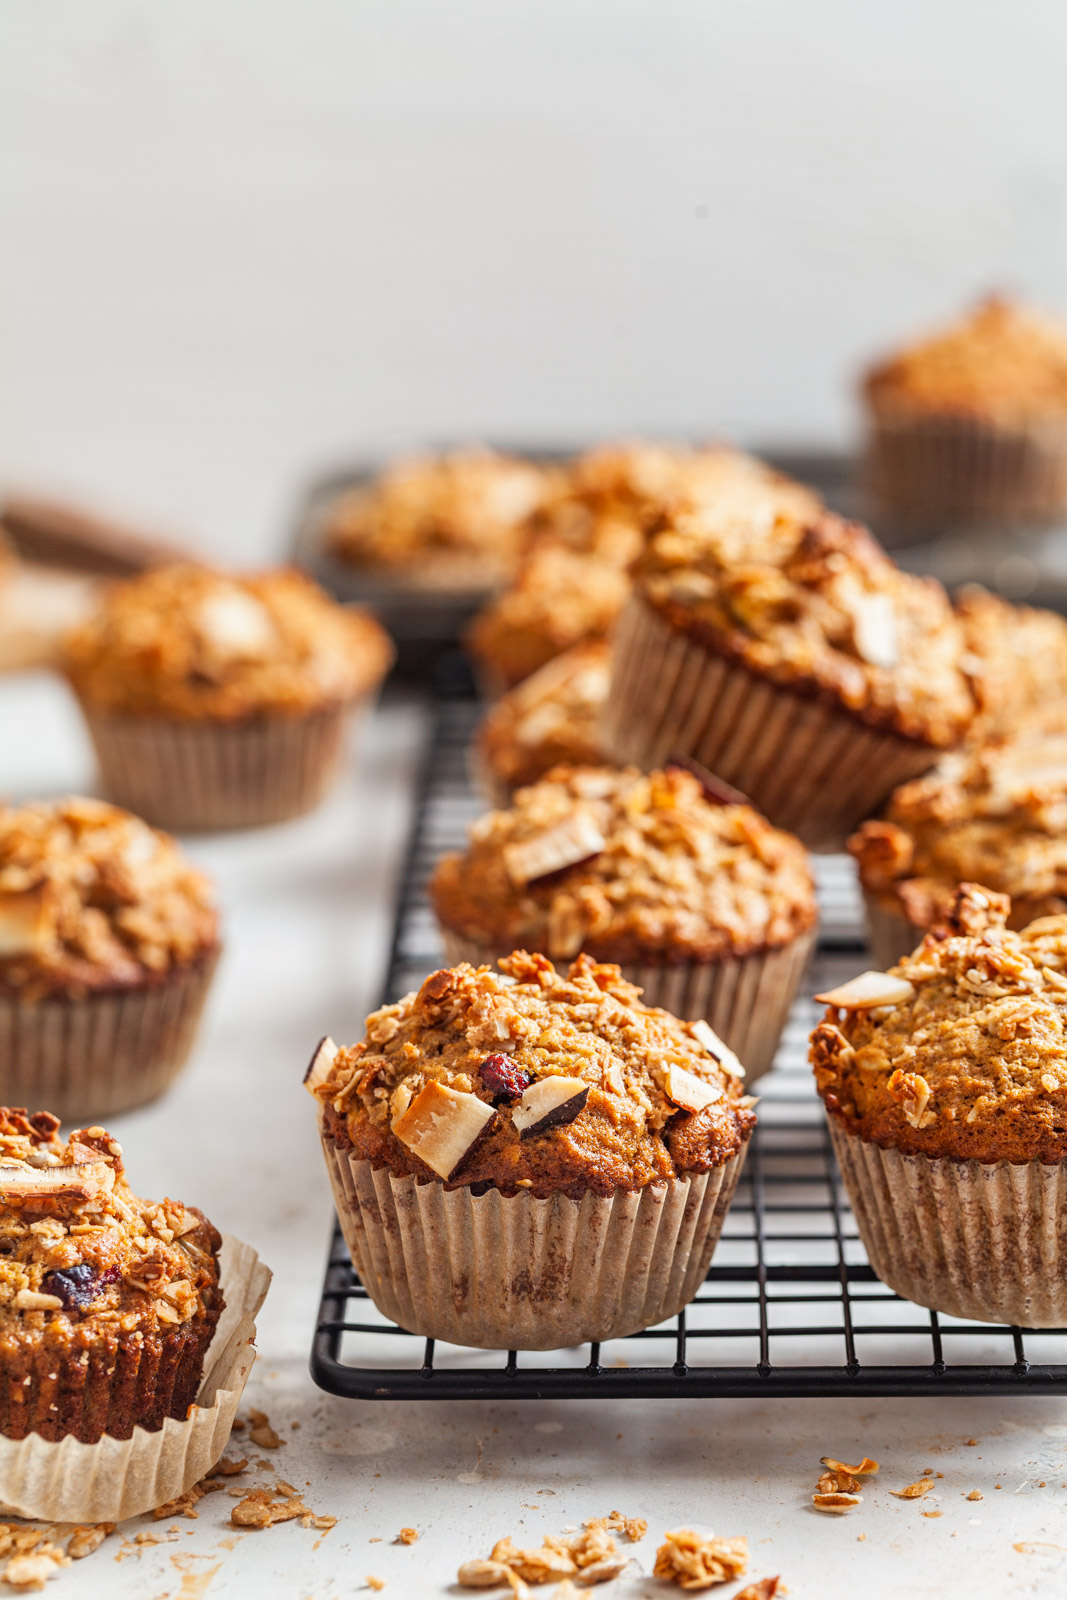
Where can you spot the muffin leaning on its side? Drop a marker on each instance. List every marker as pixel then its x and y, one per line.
pixel 217 701
pixel 523 1160
pixel 108 942
pixel 552 717
pixel 705 906
pixel 945 1086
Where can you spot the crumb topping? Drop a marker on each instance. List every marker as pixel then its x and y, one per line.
pixel 674 875
pixel 552 717
pixel 93 898
pixel 186 641
pixel 1016 657
pixel 1002 360
pixel 972 1064
pixel 599 1069
pixel 817 606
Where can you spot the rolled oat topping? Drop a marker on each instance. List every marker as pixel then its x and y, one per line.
pixel 973 1064
pixel 93 898
pixel 674 876
pixel 186 641
pixel 413 1096
pixel 1016 658
pixel 553 716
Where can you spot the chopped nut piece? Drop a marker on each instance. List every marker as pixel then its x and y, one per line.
pixel 406 1536
pixel 30 1300
pixel 870 989
pixel 695 1561
pixel 441 1125
pixel 573 839
pixel 549 1103
pixel 687 1090
pixel 913 1490
pixel 835 1502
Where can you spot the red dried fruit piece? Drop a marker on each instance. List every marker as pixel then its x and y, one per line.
pixel 503 1079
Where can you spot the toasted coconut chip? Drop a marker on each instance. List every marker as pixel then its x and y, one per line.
pixel 320 1064
pixel 441 1125
pixel 705 1033
pixel 868 990
pixel 835 1503
pixel 874 630
pixel 549 1103
pixel 689 1091
pixel 574 839
pixel 865 1468
pixel 83 1179
pixel 24 921
pixel 914 1491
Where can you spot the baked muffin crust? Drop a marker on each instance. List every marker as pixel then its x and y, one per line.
pixel 490 1034
pixel 1016 659
pixel 676 877
pixel 552 717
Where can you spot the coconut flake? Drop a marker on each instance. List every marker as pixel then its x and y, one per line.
pixel 689 1091
pixel 574 839
pixel 874 629
pixel 24 921
pixel 868 990
pixel 549 1103
pixel 320 1065
pixel 442 1125
pixel 706 1035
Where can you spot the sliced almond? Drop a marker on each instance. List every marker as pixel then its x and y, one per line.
pixel 320 1065
pixel 83 1179
pixel 874 630
pixel 574 839
pixel 705 1033
pixel 549 1103
pixel 442 1125
pixel 689 1091
pixel 24 921
pixel 868 990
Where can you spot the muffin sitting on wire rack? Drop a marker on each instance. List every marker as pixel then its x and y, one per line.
pixel 551 717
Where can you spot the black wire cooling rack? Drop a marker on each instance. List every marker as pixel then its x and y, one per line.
pixel 789 1305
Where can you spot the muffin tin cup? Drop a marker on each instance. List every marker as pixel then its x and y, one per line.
pixel 67 1481
pixel 985 1241
pixel 929 470
pixel 809 767
pixel 745 999
pixel 513 1272
pixel 192 776
pixel 890 935
pixel 97 1054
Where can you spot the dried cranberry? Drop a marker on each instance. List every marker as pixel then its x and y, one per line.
pixel 77 1286
pixel 503 1079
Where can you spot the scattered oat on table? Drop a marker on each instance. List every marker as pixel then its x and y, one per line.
pixel 590 1555
pixel 975 1494
pixel 406 1536
pixel 262 1433
pixel 838 1487
pixel 914 1491
pixel 697 1561
pixel 87 1538
pixel 262 1507
pixel 634 1528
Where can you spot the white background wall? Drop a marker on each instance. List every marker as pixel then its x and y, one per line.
pixel 240 240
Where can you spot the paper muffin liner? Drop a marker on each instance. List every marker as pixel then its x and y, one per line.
pixel 930 469
pixel 809 767
pixel 118 1478
pixel 517 1273
pixel 746 999
pixel 197 775
pixel 890 934
pixel 986 1241
pixel 93 1055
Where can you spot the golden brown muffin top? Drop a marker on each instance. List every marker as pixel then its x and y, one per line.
pixel 1002 361
pixel 818 607
pixel 92 898
pixel 1016 659
pixel 997 816
pixel 461 512
pixel 551 717
pixel 81 1256
pixel 186 641
pixel 529 1078
pixel 961 1050
pixel 628 867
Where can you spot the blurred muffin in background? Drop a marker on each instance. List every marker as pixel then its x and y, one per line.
pixel 971 424
pixel 551 717
pixel 1017 663
pixel 220 701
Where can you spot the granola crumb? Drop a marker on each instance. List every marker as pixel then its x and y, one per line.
pixel 262 1433
pixel 634 1528
pixel 762 1589
pixel 226 1467
pixel 931 1513
pixel 976 1494
pixel 970 1441
pixel 183 1506
pixel 913 1491
pixel 84 1540
pixel 695 1561
pixel 375 1583
pixel 33 1571
pixel 406 1536
pixel 860 1538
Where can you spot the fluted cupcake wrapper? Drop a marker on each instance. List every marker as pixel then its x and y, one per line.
pixel 809 767
pixel 889 933
pixel 96 1054
pixel 194 776
pixel 67 1481
pixel 987 1241
pixel 746 999
pixel 517 1273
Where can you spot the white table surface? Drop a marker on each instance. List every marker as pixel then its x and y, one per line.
pixel 307 910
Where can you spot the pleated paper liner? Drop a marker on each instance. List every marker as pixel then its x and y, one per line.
pixel 199 775
pixel 746 999
pixel 118 1478
pixel 809 767
pixel 517 1273
pixel 98 1054
pixel 986 1241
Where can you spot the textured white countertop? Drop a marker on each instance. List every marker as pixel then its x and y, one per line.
pixel 307 911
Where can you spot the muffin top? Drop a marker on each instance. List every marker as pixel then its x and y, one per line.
pixel 961 1050
pixel 81 1256
pixel 1016 657
pixel 186 641
pixel 997 816
pixel 553 716
pixel 628 867
pixel 523 1078
pixel 461 512
pixel 1002 361
pixel 92 898
pixel 818 607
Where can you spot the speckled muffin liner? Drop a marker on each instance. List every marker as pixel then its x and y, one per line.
pixel 101 1053
pixel 67 1481
pixel 517 1273
pixel 745 999
pixel 809 767
pixel 986 1241
pixel 926 470
pixel 193 776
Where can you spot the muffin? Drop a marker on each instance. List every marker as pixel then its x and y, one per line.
pixel 108 942
pixel 704 906
pixel 551 717
pixel 792 659
pixel 527 1160
pixel 944 1083
pixel 108 1302
pixel 1017 662
pixel 217 701
pixel 996 817
pixel 971 424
